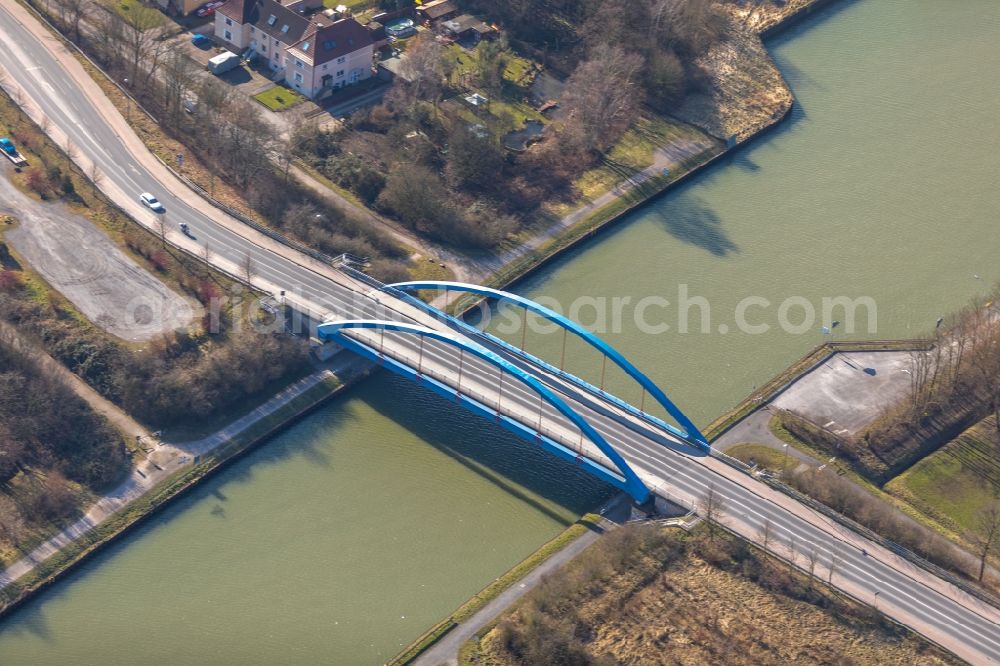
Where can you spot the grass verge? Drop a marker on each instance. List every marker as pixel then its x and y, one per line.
pixel 953 483
pixel 763 456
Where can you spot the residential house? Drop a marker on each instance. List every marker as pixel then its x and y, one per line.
pixel 309 50
pixel 467 28
pixel 332 56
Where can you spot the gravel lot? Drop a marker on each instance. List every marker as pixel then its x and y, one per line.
pixel 84 265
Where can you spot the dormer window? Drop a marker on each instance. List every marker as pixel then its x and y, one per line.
pixel 284 28
pixel 329 45
pixel 305 46
pixel 272 19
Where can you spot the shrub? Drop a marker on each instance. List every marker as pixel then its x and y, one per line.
pixel 351 172
pixel 49 499
pixel 38 182
pixel 10 281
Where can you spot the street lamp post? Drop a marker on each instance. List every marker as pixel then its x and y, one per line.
pixel 128 101
pixel 784 459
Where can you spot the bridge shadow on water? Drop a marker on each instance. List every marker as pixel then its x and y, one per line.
pixel 486 449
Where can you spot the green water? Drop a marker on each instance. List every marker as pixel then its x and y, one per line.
pixel 352 532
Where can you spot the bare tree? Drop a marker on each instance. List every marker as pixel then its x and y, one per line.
pixel 72 14
pixel 920 372
pixel 179 75
pixel 765 533
pixel 985 535
pixel 603 96
pixel 96 176
pixel 161 228
pixel 813 556
pixel 423 68
pixel 248 268
pixel 142 46
pixel 712 506
pixel 244 145
pixel 70 151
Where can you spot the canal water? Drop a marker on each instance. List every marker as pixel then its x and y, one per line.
pixel 352 532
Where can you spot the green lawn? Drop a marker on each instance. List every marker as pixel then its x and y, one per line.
pixel 954 482
pixel 279 98
pixel 763 456
pixel 633 153
pixel 129 8
pixel 517 68
pixel 356 5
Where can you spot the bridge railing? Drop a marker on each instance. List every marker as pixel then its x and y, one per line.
pixel 475 333
pixel 566 435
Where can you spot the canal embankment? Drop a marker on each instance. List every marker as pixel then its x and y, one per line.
pixel 148 490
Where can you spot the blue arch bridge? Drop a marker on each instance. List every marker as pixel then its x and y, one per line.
pixel 540 402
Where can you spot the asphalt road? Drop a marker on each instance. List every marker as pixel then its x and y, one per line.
pixel 936 609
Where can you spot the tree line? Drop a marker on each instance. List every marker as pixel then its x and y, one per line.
pixel 180 376
pixel 952 386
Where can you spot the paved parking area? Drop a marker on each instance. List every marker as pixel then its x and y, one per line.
pixel 84 265
pixel 849 390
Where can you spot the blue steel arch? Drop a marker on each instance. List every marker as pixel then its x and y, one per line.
pixel 689 433
pixel 626 479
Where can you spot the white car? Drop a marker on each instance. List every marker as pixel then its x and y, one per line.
pixel 150 201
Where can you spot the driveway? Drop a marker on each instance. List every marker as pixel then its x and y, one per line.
pixel 84 265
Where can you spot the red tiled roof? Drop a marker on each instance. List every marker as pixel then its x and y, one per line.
pixel 329 42
pixel 238 10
